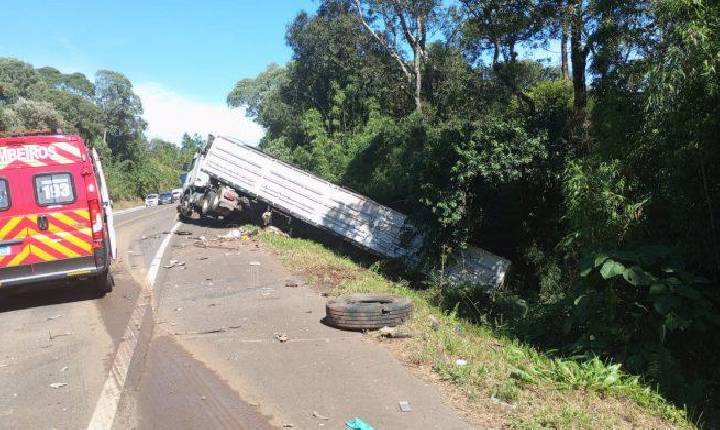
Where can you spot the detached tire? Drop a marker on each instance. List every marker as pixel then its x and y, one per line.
pixel 367 311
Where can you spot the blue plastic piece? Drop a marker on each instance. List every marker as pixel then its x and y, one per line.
pixel 358 424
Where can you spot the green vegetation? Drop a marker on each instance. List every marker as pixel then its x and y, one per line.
pixel 599 179
pixel 523 388
pixel 106 113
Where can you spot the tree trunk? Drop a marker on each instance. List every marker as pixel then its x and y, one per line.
pixel 578 57
pixel 496 53
pixel 563 48
pixel 418 80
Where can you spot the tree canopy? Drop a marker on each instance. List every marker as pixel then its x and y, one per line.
pixel 607 155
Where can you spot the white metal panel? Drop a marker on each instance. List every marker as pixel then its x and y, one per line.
pixel 105 197
pixel 318 202
pixel 323 204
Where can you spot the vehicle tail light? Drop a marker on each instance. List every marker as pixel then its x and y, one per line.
pixel 98 227
pixel 230 195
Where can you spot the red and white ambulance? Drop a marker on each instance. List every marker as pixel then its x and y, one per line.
pixel 55 213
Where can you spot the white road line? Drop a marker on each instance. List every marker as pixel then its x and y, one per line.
pixel 155 264
pixel 129 210
pixel 107 404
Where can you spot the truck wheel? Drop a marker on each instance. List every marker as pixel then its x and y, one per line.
pixel 207 203
pixel 367 311
pixel 104 282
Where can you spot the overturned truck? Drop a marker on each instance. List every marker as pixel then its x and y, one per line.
pixel 226 175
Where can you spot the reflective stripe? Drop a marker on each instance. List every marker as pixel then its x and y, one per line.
pixel 9 226
pixel 20 257
pixel 54 245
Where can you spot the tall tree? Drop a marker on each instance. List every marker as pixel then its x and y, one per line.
pixel 122 110
pixel 390 21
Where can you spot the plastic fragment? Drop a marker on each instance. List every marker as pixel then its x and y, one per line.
pixel 358 424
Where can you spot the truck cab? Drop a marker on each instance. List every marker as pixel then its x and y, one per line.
pixel 55 214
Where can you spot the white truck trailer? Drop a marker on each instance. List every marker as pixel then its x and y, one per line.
pixel 226 174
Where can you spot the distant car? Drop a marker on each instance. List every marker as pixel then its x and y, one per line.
pixel 176 194
pixel 151 200
pixel 165 198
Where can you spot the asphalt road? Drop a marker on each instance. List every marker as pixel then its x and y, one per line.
pixel 196 347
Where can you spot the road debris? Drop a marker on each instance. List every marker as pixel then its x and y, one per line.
pixel 55 336
pixel 56 385
pixel 282 337
pixel 358 424
pixel 143 237
pixel 393 332
pixel 175 263
pixel 434 323
pixel 53 317
pixel 3 365
pixel 405 406
pixel 291 284
pixel 274 230
pixel 210 331
pixel 319 416
pixel 183 233
pixel 64 369
pixel 461 362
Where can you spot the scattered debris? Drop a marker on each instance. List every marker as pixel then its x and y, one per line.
pixel 55 336
pixel 287 426
pixel 358 424
pixel 434 322
pixel 175 263
pixel 4 365
pixel 143 237
pixel 210 331
pixel 202 258
pixel 282 337
pixel 393 332
pixel 203 398
pixel 274 230
pixel 320 417
pixel 54 317
pixel 291 284
pixel 405 406
pixel 179 309
pixel 461 362
pixel 254 403
pixel 183 233
pixel 64 369
pixel 254 263
pixel 56 385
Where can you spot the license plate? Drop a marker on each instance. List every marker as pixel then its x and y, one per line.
pixel 4 250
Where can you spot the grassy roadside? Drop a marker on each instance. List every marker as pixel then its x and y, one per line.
pixel 505 383
pixel 126 204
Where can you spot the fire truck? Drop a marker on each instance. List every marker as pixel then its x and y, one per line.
pixel 55 212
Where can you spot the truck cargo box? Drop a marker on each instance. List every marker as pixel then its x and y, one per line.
pixel 362 221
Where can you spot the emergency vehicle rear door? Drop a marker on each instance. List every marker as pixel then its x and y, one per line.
pixel 107 206
pixel 62 228
pixel 14 241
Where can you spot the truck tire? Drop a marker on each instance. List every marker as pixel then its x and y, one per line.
pixel 367 311
pixel 207 202
pixel 104 282
pixel 185 207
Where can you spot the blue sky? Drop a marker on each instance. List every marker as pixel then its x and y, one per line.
pixel 186 51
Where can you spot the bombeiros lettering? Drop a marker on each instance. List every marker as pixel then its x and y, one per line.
pixel 28 153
